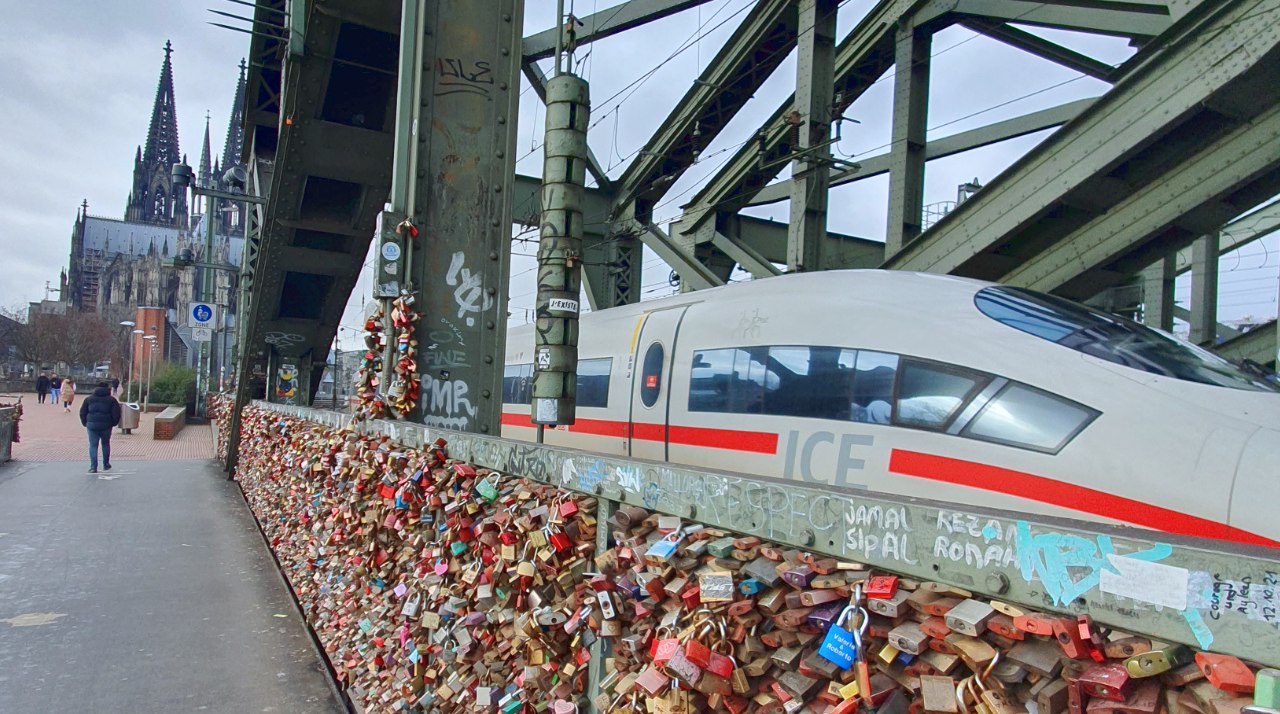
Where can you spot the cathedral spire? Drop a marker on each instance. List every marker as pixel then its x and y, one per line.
pixel 235 128
pixel 206 171
pixel 162 136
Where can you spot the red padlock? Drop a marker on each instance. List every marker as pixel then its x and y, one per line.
pixel 881 587
pixel 1036 624
pixel 1226 672
pixel 1067 633
pixel 1108 681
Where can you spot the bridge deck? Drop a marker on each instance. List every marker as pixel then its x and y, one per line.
pixel 146 589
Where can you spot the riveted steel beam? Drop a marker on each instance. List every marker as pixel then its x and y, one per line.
pixel 1132 137
pixel 1121 19
pixel 597 26
pixel 907 152
pixel 810 172
pixel 943 147
pixel 761 42
pixel 1237 234
pixel 1244 161
pixel 1040 47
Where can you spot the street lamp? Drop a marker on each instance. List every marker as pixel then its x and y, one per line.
pixel 129 323
pixel 182 179
pixel 151 361
pixel 136 332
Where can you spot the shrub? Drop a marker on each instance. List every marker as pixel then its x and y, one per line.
pixel 172 384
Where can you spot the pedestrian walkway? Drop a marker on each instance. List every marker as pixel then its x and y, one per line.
pixel 50 434
pixel 145 589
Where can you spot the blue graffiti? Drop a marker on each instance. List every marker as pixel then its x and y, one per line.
pixel 652 494
pixel 594 474
pixel 1069 566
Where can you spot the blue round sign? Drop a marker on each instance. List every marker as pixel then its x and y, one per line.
pixel 202 313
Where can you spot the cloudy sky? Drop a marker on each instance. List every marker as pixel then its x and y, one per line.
pixel 80 78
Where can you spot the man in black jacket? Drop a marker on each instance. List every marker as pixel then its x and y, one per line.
pixel 99 413
pixel 42 388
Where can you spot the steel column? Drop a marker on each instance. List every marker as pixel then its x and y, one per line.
pixel 811 177
pixel 470 84
pixel 907 155
pixel 1157 294
pixel 1204 290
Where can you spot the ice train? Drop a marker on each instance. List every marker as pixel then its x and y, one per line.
pixel 910 383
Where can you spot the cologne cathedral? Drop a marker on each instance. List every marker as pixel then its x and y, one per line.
pixel 120 264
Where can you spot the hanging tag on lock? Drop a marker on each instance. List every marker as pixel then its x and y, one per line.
pixel 840 646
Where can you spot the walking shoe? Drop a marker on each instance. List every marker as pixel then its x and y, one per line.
pixel 106 467
pixel 93 471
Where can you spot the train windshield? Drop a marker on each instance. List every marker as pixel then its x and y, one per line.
pixel 1111 338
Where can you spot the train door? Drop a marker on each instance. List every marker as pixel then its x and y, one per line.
pixel 655 352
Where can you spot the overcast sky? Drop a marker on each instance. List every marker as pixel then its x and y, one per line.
pixel 80 78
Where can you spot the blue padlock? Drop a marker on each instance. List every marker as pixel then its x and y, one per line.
pixel 840 646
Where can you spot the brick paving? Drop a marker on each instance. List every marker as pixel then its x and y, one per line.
pixel 50 434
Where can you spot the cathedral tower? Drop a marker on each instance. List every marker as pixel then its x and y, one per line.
pixel 155 199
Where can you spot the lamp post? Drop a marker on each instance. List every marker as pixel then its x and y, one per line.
pixel 151 362
pixel 129 324
pixel 182 178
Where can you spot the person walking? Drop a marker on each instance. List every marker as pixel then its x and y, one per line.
pixel 98 414
pixel 115 386
pixel 55 386
pixel 42 388
pixel 68 394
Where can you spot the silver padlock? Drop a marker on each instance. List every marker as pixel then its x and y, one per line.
pixel 909 638
pixel 891 607
pixel 970 617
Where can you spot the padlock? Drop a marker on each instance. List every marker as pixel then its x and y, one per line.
pixel 1226 672
pixel 893 606
pixel 1266 690
pixel 1149 664
pixel 969 617
pixel 938 694
pixel 908 637
pixel 1109 680
pixel 840 646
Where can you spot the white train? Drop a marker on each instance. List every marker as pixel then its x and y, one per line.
pixel 947 388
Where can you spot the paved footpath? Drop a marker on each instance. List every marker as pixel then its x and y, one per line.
pixel 50 434
pixel 146 589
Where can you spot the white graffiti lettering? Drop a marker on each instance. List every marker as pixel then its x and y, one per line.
pixel 469 294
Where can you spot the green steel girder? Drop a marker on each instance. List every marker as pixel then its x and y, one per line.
pixel 1040 47
pixel 1237 234
pixel 1258 345
pixel 943 147
pixel 1201 88
pixel 331 176
pixel 1103 17
pixel 761 42
pixel 861 58
pixel 629 14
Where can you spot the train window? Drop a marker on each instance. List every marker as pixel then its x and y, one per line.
pixel 810 382
pixel 1027 417
pixel 729 381
pixel 872 399
pixel 1111 338
pixel 517 383
pixel 593 382
pixel 651 375
pixel 930 394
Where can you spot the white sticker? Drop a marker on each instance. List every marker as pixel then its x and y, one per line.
pixel 391 251
pixel 1146 581
pixel 547 411
pixel 563 305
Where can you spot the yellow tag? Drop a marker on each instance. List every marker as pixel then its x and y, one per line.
pixel 850 690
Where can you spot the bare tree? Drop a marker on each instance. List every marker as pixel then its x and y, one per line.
pixel 87 340
pixel 38 340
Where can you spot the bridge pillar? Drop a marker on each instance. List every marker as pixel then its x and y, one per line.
pixel 463 166
pixel 907 155
pixel 811 172
pixel 1157 293
pixel 1204 289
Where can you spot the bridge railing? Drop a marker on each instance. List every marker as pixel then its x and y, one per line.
pixel 1203 593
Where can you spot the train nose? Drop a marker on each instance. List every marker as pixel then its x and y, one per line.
pixel 1254 490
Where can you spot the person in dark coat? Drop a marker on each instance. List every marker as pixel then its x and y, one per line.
pixel 99 413
pixel 115 386
pixel 55 386
pixel 42 387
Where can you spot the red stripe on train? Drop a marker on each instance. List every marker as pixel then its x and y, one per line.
pixel 1065 495
pixel 759 442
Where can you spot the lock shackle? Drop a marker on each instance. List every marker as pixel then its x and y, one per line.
pixel 986 672
pixel 962 688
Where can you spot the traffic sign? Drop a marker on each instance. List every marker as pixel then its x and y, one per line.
pixel 201 314
pixel 202 334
